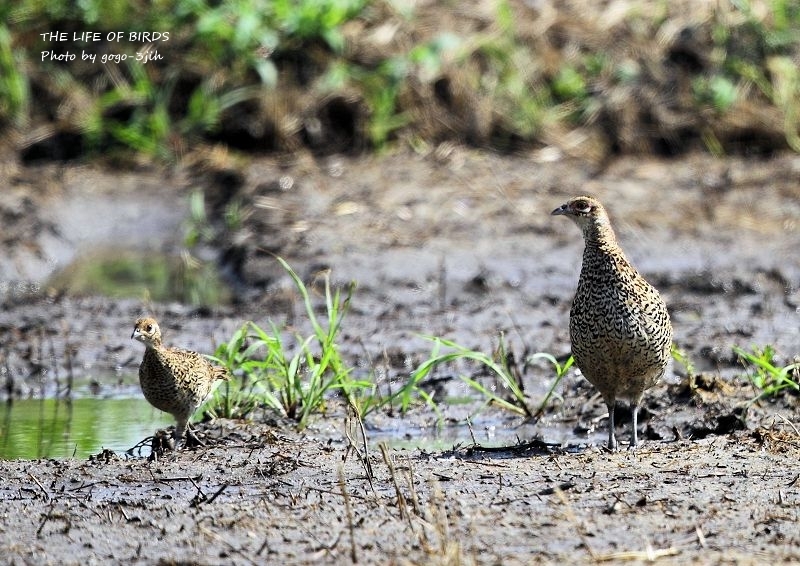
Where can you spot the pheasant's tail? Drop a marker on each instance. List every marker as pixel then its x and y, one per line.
pixel 221 373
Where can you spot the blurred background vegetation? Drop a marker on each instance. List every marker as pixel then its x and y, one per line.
pixel 591 79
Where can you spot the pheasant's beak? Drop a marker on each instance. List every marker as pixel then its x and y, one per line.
pixel 135 334
pixel 561 210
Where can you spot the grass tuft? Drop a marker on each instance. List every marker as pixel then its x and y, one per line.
pixel 510 395
pixel 768 379
pixel 561 370
pixel 293 378
pixel 297 375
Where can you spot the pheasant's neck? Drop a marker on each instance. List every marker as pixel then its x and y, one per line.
pixel 600 235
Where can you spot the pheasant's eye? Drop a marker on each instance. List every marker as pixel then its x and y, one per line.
pixel 149 328
pixel 583 207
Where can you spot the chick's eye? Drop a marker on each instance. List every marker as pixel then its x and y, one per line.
pixel 149 328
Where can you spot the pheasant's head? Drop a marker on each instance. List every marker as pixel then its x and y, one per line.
pixel 588 214
pixel 147 332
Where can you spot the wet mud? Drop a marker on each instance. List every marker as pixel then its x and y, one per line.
pixel 263 497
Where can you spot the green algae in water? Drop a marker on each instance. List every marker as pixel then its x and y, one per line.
pixel 50 428
pixel 118 273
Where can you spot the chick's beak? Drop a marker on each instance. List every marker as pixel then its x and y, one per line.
pixel 135 334
pixel 561 210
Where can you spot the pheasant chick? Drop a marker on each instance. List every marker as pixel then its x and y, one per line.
pixel 173 380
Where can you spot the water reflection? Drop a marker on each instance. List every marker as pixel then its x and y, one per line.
pixel 496 431
pixel 50 428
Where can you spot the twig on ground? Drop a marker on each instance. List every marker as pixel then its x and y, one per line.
pixel 401 500
pixel 649 554
pixel 349 511
pixel 37 482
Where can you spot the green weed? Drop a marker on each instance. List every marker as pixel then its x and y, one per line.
pixel 311 19
pixel 222 58
pixel 683 358
pixel 521 101
pixel 218 56
pixel 147 125
pixel 766 378
pixel 717 91
pixel 197 229
pixel 380 88
pixel 125 273
pixel 294 384
pixel 512 399
pixel 761 50
pixel 201 277
pixel 509 396
pixel 295 375
pixel 14 88
pixel 561 371
pixel 260 372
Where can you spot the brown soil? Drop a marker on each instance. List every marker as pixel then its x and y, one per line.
pixel 457 244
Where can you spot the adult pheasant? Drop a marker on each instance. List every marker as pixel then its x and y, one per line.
pixel 619 325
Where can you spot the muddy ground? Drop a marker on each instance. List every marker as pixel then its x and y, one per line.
pixel 457 244
pixel 280 498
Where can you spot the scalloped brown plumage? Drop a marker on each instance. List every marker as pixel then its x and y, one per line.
pixel 173 380
pixel 619 326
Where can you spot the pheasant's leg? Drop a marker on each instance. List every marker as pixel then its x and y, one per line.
pixel 612 440
pixel 180 428
pixel 635 415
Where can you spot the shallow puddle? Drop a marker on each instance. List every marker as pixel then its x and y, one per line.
pixel 487 433
pixel 50 428
pixel 123 272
